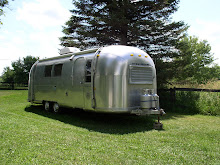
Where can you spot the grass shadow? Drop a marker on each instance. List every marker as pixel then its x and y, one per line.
pixel 98 122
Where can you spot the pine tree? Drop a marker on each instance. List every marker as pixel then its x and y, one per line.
pixel 142 23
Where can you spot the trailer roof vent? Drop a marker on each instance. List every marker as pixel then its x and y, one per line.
pixel 69 50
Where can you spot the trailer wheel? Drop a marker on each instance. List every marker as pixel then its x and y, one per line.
pixel 56 107
pixel 47 106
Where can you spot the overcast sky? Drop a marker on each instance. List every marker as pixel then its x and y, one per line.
pixel 32 27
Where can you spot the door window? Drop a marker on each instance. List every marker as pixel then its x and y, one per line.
pixel 88 71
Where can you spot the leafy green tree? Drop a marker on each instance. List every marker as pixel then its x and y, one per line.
pixel 195 61
pixel 3 3
pixel 8 75
pixel 21 69
pixel 20 72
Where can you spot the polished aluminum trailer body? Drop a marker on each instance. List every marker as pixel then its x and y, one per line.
pixel 116 79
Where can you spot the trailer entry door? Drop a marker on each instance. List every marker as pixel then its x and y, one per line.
pixel 78 82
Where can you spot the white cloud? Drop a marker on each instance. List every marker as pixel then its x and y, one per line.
pixel 208 29
pixel 2 37
pixel 33 29
pixel 46 18
pixel 17 41
pixel 3 34
pixel 41 14
pixel 9 53
pixel 45 44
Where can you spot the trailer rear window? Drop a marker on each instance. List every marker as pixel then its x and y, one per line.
pixel 58 69
pixel 47 71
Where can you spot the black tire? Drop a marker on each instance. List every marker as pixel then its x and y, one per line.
pixel 56 107
pixel 47 106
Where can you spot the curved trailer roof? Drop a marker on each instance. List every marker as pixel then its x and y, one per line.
pixel 71 54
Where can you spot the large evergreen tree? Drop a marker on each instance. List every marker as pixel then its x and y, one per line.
pixel 142 23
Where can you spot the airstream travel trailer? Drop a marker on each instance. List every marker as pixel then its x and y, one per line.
pixel 115 79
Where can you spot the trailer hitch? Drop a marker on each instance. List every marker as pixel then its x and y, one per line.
pixel 162 112
pixel 158 125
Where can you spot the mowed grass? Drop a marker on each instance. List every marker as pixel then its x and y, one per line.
pixel 28 135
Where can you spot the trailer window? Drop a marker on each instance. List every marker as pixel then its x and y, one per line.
pixel 88 70
pixel 58 69
pixel 47 71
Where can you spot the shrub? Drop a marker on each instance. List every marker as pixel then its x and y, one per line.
pixel 206 103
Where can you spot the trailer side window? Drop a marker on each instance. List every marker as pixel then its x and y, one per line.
pixel 47 71
pixel 58 69
pixel 88 70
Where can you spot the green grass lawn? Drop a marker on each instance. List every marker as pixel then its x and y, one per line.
pixel 28 135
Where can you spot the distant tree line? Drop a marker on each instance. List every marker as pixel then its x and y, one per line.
pixel 145 24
